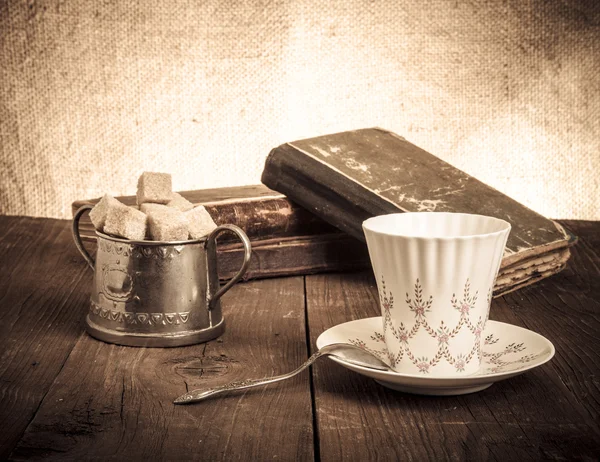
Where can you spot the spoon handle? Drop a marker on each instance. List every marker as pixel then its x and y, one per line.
pixel 198 395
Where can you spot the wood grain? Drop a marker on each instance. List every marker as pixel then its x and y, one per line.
pixel 566 310
pixel 67 396
pixel 113 402
pixel 548 413
pixel 43 287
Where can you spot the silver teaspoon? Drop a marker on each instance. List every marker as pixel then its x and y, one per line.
pixel 349 353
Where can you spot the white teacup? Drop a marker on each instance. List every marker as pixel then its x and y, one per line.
pixel 435 274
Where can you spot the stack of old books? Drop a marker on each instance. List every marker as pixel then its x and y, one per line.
pixel 327 186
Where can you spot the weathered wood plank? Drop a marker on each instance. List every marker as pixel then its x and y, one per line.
pixel 43 284
pixel 548 413
pixel 566 310
pixel 113 402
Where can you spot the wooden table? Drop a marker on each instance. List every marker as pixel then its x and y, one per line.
pixel 65 395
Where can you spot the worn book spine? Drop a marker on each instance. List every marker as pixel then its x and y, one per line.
pixel 259 211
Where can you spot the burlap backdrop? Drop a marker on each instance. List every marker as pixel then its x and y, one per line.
pixel 92 93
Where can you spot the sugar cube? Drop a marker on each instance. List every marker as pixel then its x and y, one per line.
pixel 125 222
pixel 154 187
pixel 180 203
pixel 166 223
pixel 98 213
pixel 149 208
pixel 200 223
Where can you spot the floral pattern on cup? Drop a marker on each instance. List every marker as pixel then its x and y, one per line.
pixel 511 357
pixel 420 305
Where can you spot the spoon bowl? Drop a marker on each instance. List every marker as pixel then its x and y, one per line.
pixel 354 355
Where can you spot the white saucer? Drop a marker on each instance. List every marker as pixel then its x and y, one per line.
pixel 507 351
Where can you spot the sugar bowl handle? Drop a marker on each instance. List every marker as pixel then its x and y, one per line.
pixel 212 259
pixel 77 236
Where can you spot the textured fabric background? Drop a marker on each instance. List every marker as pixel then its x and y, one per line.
pixel 94 92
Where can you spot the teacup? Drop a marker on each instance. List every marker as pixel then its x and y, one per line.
pixel 435 274
pixel 156 294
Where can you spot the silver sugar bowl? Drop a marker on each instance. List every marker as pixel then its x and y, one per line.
pixel 156 294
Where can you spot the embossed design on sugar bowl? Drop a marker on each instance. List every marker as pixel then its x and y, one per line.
pixel 158 294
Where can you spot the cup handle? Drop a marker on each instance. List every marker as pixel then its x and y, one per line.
pixel 212 259
pixel 77 236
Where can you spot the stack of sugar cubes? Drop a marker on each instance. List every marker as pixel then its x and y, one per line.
pixel 160 214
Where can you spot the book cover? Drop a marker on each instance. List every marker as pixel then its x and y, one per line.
pixel 347 177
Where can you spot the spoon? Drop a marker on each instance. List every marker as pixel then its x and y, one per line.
pixel 344 351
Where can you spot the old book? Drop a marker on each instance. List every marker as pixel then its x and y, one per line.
pixel 289 240
pixel 261 212
pixel 286 238
pixel 345 178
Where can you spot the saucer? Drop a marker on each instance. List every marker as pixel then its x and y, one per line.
pixel 507 351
